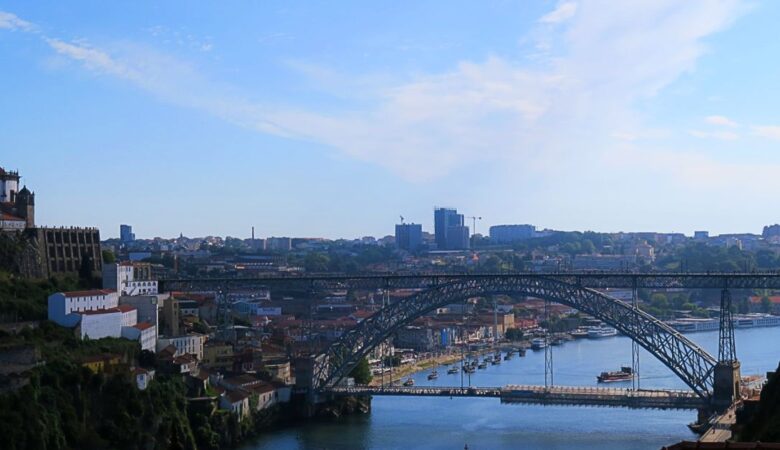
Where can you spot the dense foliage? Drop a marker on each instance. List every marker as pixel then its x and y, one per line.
pixel 362 372
pixel 765 425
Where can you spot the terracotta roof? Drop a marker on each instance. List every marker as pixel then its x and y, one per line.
pixel 92 293
pixel 143 326
pixel 773 299
pixel 95 312
pixel 140 371
pixel 126 308
pixel 184 359
pixel 4 216
pixel 236 396
pixel 262 388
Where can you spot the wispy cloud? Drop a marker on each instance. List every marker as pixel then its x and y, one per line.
pixel 564 11
pixel 10 21
pixel 561 112
pixel 767 131
pixel 722 121
pixel 721 135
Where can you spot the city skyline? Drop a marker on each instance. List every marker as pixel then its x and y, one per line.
pixel 515 112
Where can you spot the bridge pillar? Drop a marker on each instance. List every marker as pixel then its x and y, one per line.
pixel 726 386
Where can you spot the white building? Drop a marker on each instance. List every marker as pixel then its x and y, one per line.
pixel 143 332
pixel 148 306
pixel 63 305
pixel 99 324
pixel 121 278
pixel 190 343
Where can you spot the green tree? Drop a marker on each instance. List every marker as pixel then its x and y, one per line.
pixel 514 334
pixel 108 257
pixel 362 372
pixel 316 262
pixel 766 305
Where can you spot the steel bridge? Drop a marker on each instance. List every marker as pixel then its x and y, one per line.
pixel 712 380
pixel 586 279
pixel 541 395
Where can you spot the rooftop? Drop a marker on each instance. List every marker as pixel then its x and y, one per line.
pixel 91 293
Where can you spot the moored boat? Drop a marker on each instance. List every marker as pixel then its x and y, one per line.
pixel 538 343
pixel 409 382
pixel 624 374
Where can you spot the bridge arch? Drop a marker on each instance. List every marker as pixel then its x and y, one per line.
pixel 685 358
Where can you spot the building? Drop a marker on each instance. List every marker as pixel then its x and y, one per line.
pixel 126 235
pixel 143 332
pixel 283 244
pixel 504 234
pixel 187 344
pixel 458 238
pixel 129 278
pixel 63 306
pixel 447 221
pixel 408 236
pixel 701 235
pixel 604 262
pixel 148 306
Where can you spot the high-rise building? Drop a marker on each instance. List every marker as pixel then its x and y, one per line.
pixel 445 220
pixel 458 238
pixel 508 233
pixel 126 234
pixel 408 236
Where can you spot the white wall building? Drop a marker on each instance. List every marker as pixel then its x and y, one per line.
pixel 144 332
pixel 100 324
pixel 120 277
pixel 190 343
pixel 63 305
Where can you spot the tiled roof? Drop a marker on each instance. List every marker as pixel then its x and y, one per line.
pixel 143 326
pixel 774 299
pixel 92 293
pixel 95 312
pixel 5 216
pixel 236 396
pixel 126 308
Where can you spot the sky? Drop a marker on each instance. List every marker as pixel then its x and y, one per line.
pixel 334 118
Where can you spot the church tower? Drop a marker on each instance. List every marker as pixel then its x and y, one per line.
pixel 25 206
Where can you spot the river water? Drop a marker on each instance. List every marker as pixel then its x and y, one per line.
pixel 444 423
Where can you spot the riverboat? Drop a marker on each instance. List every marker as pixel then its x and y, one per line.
pixel 538 343
pixel 624 374
pixel 452 370
pixel 433 375
pixel 409 382
pixel 601 332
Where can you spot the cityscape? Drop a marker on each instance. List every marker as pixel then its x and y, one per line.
pixel 414 287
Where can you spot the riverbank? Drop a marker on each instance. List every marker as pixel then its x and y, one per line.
pixel 404 371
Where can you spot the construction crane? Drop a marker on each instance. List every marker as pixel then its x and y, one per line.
pixel 402 219
pixel 474 223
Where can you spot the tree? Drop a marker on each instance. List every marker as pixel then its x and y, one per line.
pixel 514 334
pixel 362 372
pixel 316 262
pixel 766 305
pixel 108 257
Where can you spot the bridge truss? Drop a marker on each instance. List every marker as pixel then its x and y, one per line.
pixel 686 359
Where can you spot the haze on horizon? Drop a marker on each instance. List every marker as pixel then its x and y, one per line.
pixel 333 118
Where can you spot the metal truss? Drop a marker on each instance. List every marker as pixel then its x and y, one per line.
pixel 594 280
pixel 686 359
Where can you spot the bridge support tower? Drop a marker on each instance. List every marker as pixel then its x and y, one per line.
pixel 725 389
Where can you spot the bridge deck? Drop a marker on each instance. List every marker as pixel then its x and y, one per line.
pixel 541 395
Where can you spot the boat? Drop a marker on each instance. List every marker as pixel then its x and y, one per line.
pixel 433 375
pixel 601 332
pixel 482 365
pixel 452 370
pixel 496 361
pixel 557 341
pixel 468 369
pixel 538 343
pixel 624 374
pixel 579 333
pixel 409 382
pixel 507 357
pixel 521 351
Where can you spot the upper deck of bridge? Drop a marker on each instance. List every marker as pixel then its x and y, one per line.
pixel 589 279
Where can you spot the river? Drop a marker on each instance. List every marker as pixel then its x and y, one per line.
pixel 444 423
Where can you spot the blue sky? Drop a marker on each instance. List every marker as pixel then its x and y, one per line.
pixel 333 118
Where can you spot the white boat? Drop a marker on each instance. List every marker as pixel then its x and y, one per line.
pixel 601 332
pixel 538 343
